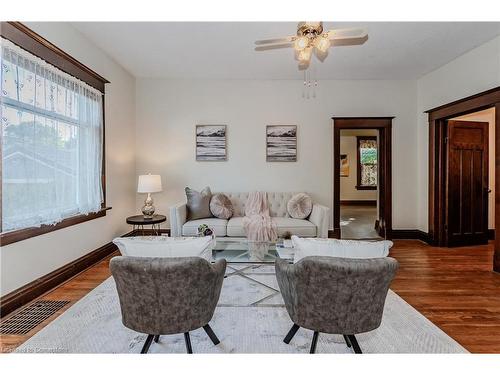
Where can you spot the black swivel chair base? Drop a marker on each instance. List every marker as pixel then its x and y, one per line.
pixel 350 340
pixel 187 339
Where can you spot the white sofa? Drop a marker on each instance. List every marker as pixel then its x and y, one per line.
pixel 316 225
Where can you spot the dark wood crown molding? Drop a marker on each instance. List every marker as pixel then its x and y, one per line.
pixel 472 103
pixel 34 43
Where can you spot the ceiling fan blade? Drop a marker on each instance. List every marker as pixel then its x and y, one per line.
pixel 348 41
pixel 346 33
pixel 273 46
pixel 274 41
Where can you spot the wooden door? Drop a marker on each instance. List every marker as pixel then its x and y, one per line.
pixel 466 183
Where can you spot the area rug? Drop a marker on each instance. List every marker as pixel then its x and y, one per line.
pixel 250 318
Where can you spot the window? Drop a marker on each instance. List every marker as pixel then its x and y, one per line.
pixel 367 163
pixel 51 143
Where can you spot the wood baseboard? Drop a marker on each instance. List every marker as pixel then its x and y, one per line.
pixel 397 234
pixel 333 233
pixel 410 234
pixel 27 293
pixel 491 234
pixel 372 203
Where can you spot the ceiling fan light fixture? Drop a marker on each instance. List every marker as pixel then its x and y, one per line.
pixel 322 44
pixel 305 55
pixel 301 43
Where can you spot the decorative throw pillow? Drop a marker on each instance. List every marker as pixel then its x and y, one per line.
pixel 305 247
pixel 299 206
pixel 198 203
pixel 166 247
pixel 221 206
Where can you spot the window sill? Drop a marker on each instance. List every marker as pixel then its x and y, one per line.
pixel 23 234
pixel 361 187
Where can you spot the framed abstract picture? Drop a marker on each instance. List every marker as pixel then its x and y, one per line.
pixel 344 166
pixel 281 143
pixel 211 143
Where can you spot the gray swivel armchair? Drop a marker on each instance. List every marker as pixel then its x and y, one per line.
pixel 164 296
pixel 335 295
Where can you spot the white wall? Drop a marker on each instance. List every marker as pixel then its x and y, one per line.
pixel 168 110
pixel 474 72
pixel 349 147
pixel 24 261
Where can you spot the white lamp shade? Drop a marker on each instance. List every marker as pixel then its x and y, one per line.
pixel 149 183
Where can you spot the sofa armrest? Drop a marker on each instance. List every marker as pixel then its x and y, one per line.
pixel 178 216
pixel 320 216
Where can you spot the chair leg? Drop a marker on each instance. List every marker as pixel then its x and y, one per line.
pixel 355 344
pixel 314 342
pixel 157 338
pixel 211 334
pixel 188 343
pixel 147 344
pixel 290 334
pixel 347 341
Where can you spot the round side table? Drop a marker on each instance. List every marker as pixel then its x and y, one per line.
pixel 139 221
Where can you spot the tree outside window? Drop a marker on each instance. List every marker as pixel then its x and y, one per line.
pixel 367 163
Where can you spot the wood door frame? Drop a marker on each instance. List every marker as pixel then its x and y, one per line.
pixel 437 118
pixel 384 126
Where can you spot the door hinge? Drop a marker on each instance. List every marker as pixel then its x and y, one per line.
pixel 445 140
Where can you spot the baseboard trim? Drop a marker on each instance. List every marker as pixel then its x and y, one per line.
pixel 397 234
pixel 27 293
pixel 372 203
pixel 410 234
pixel 491 234
pixel 333 233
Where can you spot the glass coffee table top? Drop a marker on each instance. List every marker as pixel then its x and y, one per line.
pixel 244 251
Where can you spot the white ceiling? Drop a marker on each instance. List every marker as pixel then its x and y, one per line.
pixel 218 50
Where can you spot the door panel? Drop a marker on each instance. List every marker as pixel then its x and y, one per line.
pixel 467 183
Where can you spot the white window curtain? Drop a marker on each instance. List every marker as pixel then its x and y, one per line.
pixel 52 134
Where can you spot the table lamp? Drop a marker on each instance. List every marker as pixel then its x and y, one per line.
pixel 149 183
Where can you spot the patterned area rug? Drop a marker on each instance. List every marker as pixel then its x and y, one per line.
pixel 250 318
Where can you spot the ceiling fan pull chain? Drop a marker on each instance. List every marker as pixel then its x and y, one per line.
pixel 304 86
pixel 309 86
pixel 315 83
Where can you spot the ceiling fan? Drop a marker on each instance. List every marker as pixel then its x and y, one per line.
pixel 311 37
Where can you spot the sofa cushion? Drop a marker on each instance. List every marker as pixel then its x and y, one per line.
pixel 304 247
pixel 277 203
pixel 299 227
pixel 198 203
pixel 283 224
pixel 220 206
pixel 166 247
pixel 299 206
pixel 190 228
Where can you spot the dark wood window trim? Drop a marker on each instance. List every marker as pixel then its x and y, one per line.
pixel 23 234
pixel 437 118
pixel 358 163
pixel 35 44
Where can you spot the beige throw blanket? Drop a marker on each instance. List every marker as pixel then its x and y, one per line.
pixel 258 225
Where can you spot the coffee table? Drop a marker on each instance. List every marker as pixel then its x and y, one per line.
pixel 240 250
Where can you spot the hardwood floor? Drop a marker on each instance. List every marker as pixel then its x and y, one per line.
pixel 454 288
pixel 73 290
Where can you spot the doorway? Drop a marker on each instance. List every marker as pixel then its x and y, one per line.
pixel 470 178
pixel 358 183
pixel 466 110
pixel 368 213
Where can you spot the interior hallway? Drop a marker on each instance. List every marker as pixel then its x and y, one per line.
pixel 358 222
